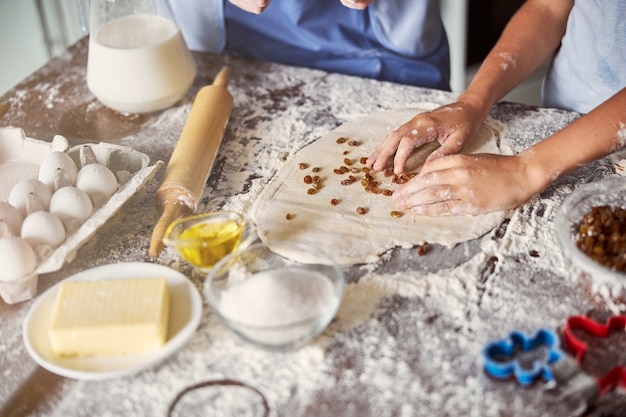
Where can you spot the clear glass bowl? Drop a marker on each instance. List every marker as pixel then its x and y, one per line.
pixel 272 301
pixel 603 285
pixel 203 239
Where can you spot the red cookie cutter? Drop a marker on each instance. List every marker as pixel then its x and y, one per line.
pixel 617 375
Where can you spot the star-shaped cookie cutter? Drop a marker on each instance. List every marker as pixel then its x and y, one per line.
pixel 617 375
pixel 502 358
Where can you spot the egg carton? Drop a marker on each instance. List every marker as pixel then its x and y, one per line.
pixel 21 157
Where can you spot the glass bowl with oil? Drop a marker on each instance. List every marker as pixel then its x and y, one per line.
pixel 204 239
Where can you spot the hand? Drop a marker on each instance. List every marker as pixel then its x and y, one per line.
pixel 356 4
pixel 252 6
pixel 452 125
pixel 467 184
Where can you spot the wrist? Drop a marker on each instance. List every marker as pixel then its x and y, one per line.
pixel 535 172
pixel 478 103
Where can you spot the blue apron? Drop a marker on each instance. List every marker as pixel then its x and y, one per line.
pixel 401 41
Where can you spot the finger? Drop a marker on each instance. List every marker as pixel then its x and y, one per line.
pixel 407 145
pixel 419 193
pixel 434 155
pixel 399 144
pixel 445 208
pixel 401 156
pixel 356 4
pixel 436 200
pixel 252 6
pixel 439 163
pixel 384 152
pixel 453 144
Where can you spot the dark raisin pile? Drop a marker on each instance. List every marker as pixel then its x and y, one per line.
pixel 602 236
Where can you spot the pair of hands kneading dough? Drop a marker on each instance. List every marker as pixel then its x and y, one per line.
pixel 286 210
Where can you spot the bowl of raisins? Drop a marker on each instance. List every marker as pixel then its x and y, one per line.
pixel 590 226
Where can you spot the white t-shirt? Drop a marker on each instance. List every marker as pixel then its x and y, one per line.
pixel 590 66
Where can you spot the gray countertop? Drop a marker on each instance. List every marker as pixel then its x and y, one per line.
pixel 408 336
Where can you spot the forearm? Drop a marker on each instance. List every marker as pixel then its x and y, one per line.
pixel 592 136
pixel 529 39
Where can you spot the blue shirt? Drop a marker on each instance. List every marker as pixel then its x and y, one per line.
pixel 590 65
pixel 402 41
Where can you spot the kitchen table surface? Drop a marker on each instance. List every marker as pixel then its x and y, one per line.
pixel 408 335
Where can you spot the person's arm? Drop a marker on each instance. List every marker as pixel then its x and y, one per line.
pixel 531 36
pixel 599 133
pixel 476 184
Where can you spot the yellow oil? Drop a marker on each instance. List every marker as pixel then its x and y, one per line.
pixel 204 244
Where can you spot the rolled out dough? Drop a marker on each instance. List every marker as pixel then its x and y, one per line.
pixel 286 211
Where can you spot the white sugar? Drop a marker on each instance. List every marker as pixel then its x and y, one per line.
pixel 275 298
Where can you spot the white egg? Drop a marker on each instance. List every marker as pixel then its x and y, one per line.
pixel 12 217
pixel 97 178
pixel 18 258
pixel 71 203
pixel 43 228
pixel 24 191
pixel 55 167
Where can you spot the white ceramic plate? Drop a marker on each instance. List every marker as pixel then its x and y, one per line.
pixel 185 315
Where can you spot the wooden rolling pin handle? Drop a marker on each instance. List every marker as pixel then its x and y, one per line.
pixel 222 78
pixel 171 212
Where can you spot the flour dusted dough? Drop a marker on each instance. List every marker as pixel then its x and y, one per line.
pixel 285 211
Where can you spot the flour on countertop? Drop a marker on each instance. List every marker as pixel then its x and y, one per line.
pixel 404 342
pixel 387 325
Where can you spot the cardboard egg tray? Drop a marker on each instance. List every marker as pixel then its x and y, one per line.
pixel 20 158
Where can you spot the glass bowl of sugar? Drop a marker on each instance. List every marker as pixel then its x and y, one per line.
pixel 276 295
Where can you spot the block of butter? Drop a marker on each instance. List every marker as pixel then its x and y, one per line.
pixel 110 317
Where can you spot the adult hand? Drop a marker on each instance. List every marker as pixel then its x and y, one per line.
pixel 451 125
pixel 467 184
pixel 252 6
pixel 356 4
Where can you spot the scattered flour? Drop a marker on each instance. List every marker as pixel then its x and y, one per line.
pixel 407 336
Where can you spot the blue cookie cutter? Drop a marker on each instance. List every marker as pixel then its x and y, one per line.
pixel 504 358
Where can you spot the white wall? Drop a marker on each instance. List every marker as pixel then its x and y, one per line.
pixel 454 16
pixel 22 44
pixel 32 32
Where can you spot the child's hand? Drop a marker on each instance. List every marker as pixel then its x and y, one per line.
pixel 356 4
pixel 467 184
pixel 252 6
pixel 451 125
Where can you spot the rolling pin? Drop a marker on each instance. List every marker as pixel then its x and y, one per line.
pixel 190 164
